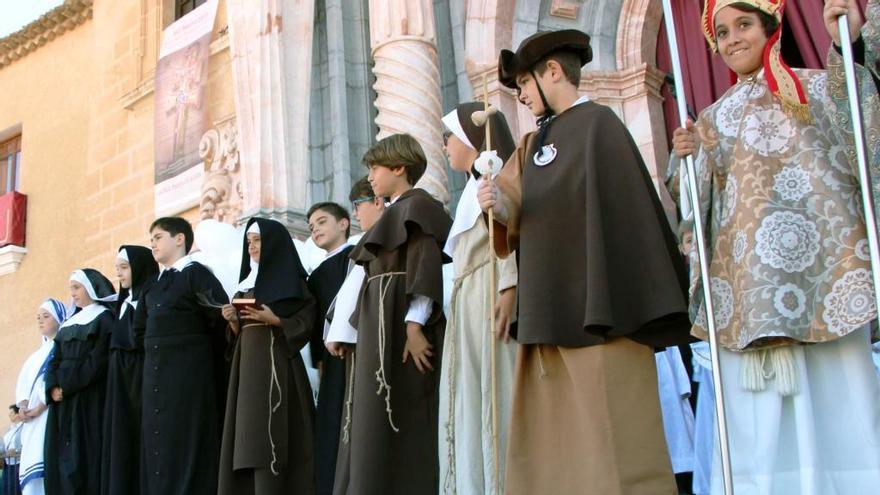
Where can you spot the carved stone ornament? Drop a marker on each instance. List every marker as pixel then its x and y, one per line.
pixel 222 191
pixel 566 9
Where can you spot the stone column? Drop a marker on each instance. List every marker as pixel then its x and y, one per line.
pixel 403 41
pixel 488 30
pixel 271 47
pixel 634 95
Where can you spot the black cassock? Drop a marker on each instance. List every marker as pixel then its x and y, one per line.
pixel 122 413
pixel 122 435
pixel 184 382
pixel 73 430
pixel 324 283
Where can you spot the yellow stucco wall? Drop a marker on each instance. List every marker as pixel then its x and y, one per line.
pixel 87 154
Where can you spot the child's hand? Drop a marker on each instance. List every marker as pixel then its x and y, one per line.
pixel 836 8
pixel 229 313
pixel 336 349
pixel 504 308
pixel 418 347
pixel 487 196
pixel 57 394
pixel 33 413
pixel 684 142
pixel 264 315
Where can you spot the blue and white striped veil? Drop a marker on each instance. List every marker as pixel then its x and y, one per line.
pixel 57 309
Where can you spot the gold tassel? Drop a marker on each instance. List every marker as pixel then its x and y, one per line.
pixel 796 109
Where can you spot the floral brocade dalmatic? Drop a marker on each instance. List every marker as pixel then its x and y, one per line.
pixel 788 250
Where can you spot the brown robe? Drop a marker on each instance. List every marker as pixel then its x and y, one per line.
pixel 406 246
pixel 246 455
pixel 599 271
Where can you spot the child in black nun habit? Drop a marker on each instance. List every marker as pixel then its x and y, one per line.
pixel 267 435
pixel 75 387
pixel 135 268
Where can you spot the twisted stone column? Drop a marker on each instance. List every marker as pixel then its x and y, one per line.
pixel 403 41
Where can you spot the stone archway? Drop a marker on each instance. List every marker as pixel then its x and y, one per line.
pixel 637 33
pixel 489 27
pixel 640 102
pixel 642 108
pixel 631 88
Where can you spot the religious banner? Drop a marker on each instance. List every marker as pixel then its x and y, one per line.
pixel 181 109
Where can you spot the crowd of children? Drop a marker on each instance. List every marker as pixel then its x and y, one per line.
pixel 171 385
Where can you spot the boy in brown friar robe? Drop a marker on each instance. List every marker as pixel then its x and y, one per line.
pixel 601 285
pixel 340 338
pixel 399 319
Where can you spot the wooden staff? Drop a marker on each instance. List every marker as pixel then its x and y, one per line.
pixel 481 119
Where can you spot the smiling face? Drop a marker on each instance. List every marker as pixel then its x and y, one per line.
pixel 254 242
pixel 741 39
pixel 47 323
pixel 123 272
pixel 79 294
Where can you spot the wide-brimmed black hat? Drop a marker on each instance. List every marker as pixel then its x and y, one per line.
pixel 538 46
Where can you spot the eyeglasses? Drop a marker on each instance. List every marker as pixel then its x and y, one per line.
pixel 446 135
pixel 356 202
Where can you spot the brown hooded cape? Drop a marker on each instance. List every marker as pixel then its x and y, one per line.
pixel 597 257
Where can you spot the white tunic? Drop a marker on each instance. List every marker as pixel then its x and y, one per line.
pixel 678 417
pixel 465 422
pixel 823 440
pixel 32 387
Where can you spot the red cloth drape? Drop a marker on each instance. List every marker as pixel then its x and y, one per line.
pixel 803 19
pixel 13 207
pixel 706 77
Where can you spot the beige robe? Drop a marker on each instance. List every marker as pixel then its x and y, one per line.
pixel 788 250
pixel 467 460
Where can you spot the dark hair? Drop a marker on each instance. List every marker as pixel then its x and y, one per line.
pixel 333 209
pixel 568 60
pixel 398 150
pixel 768 22
pixel 174 226
pixel 361 190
